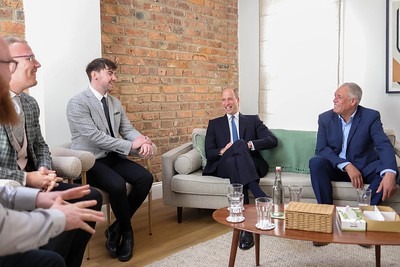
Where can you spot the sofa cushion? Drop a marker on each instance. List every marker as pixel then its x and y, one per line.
pixel 188 162
pixel 198 140
pixel 294 150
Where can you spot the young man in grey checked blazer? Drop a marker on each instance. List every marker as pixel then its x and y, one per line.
pixel 98 124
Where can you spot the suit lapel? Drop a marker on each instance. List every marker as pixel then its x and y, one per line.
pixel 354 124
pixel 9 132
pixel 242 125
pixel 97 106
pixel 226 132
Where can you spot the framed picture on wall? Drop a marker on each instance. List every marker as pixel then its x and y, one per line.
pixel 392 46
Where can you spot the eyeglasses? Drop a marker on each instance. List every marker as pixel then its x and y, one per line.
pixel 12 64
pixel 31 58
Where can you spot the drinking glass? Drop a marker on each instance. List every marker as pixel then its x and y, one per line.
pixel 364 196
pixel 235 207
pixel 235 187
pixel 295 192
pixel 263 207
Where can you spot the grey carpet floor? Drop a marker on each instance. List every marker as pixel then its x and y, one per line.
pixel 276 251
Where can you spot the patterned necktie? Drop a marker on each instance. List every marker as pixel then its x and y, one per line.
pixel 19 129
pixel 107 113
pixel 234 129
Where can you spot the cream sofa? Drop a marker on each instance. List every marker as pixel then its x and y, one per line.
pixel 185 187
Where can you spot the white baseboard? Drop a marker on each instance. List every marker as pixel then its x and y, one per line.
pixel 156 190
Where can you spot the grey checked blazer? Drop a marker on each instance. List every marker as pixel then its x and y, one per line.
pixel 38 150
pixel 89 129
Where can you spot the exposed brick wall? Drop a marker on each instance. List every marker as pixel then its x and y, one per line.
pixel 174 57
pixel 12 21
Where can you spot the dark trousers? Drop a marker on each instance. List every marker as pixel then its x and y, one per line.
pixel 36 257
pixel 111 174
pixel 237 165
pixel 71 245
pixel 323 173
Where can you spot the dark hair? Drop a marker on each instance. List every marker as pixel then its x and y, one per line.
pixel 99 64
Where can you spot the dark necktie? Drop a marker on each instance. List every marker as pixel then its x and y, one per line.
pixel 234 129
pixel 107 113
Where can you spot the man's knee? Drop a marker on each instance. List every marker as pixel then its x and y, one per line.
pixel 317 163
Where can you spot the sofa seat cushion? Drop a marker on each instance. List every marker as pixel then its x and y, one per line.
pixel 196 183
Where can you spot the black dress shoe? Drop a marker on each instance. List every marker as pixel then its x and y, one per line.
pixel 319 244
pixel 246 240
pixel 125 251
pixel 113 236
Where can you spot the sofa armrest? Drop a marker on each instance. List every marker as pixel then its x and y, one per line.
pixel 86 158
pixel 397 148
pixel 7 182
pixel 168 171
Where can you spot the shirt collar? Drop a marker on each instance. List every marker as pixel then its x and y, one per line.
pixel 12 94
pixel 351 117
pixel 97 94
pixel 236 115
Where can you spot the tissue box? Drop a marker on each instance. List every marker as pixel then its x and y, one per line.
pixel 390 224
pixel 351 219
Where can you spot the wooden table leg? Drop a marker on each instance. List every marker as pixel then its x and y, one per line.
pixel 234 246
pixel 378 255
pixel 257 248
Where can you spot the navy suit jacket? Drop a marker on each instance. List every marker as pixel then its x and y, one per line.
pixel 368 147
pixel 251 128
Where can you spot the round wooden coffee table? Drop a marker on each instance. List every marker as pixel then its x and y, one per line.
pixel 337 236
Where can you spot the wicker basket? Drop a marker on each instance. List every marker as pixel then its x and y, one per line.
pixel 309 217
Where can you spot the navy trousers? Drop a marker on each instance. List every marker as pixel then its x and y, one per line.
pixel 323 173
pixel 111 174
pixel 238 165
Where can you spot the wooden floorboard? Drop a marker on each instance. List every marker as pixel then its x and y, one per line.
pixel 168 236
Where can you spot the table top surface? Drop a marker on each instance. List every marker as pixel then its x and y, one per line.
pixel 337 236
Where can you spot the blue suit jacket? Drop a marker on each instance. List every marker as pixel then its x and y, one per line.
pixel 368 147
pixel 251 128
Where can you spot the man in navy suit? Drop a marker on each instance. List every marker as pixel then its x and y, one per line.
pixel 232 151
pixel 352 147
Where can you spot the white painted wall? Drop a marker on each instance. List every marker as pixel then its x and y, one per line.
pixel 249 54
pixel 363 61
pixel 65 37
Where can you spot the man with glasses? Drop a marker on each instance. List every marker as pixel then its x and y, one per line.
pixel 25 156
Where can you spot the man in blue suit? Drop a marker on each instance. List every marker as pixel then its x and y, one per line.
pixel 352 147
pixel 232 151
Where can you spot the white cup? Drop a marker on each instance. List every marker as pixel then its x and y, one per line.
pixel 235 207
pixel 364 196
pixel 295 193
pixel 263 207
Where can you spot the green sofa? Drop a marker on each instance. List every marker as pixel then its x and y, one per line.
pixel 184 185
